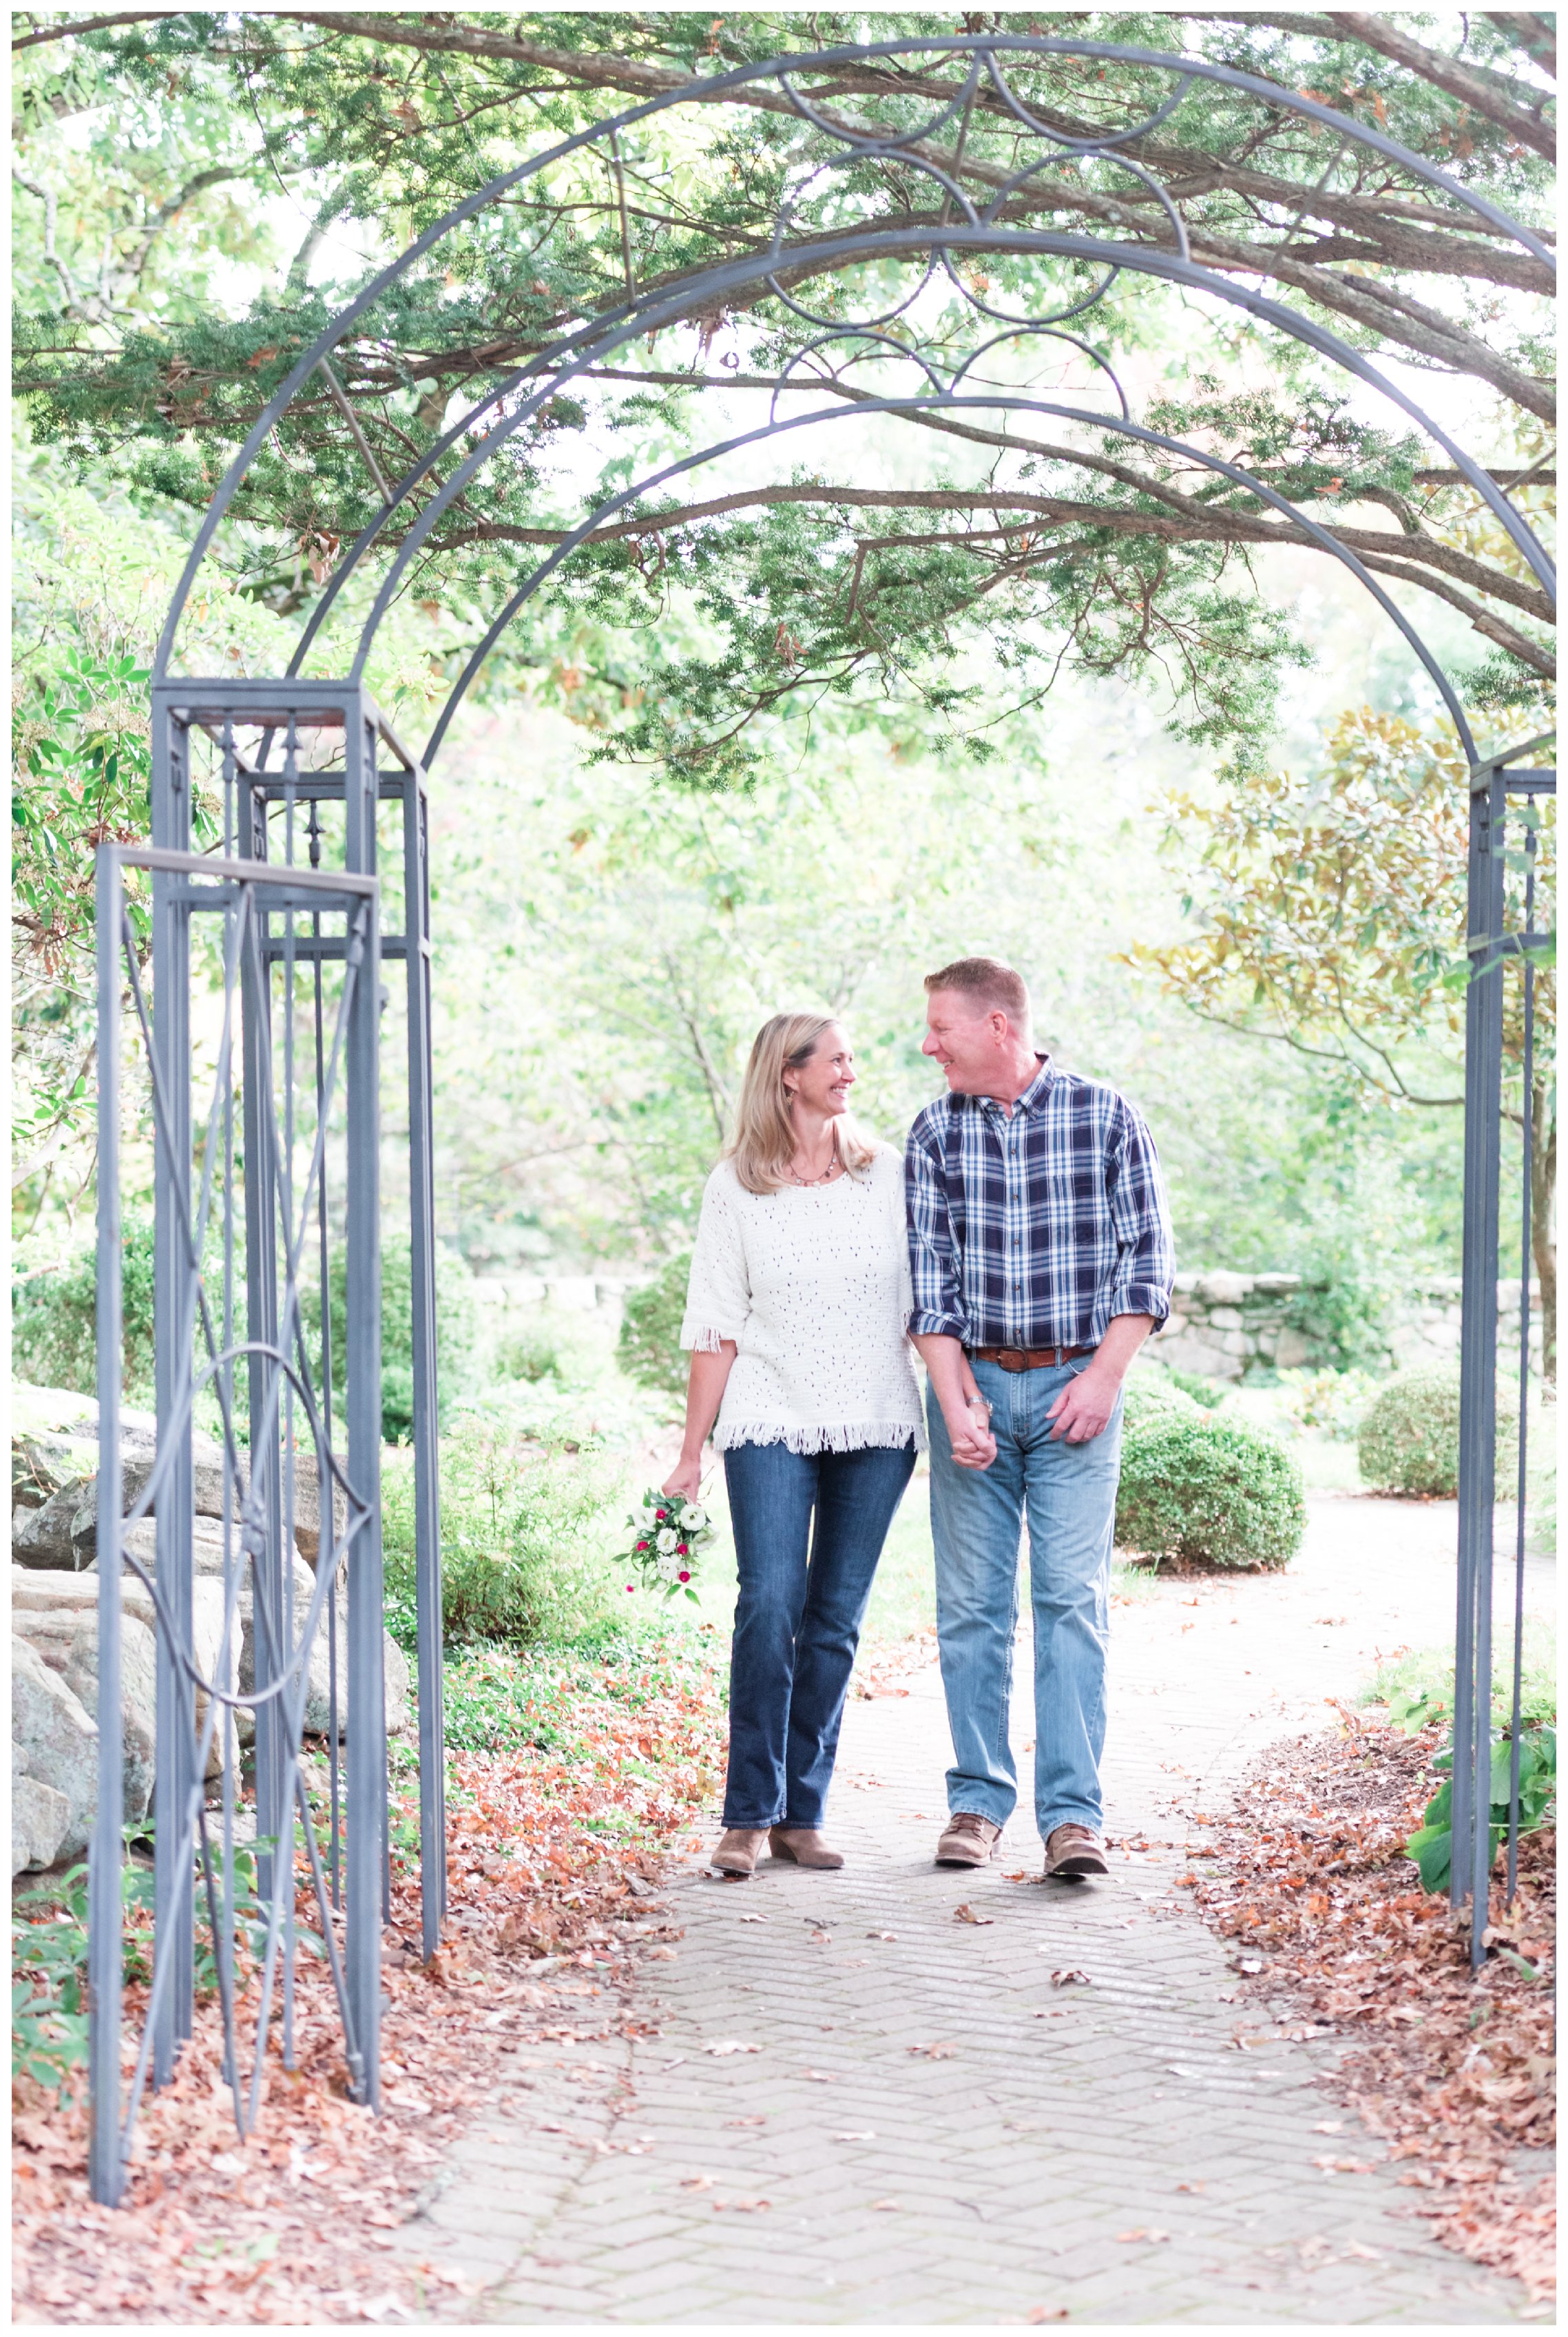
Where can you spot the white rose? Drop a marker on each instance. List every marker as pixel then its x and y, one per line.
pixel 695 1522
pixel 667 1539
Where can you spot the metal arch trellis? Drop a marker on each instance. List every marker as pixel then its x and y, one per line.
pixel 260 899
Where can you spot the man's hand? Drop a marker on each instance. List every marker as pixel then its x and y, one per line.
pixel 1083 1411
pixel 969 1434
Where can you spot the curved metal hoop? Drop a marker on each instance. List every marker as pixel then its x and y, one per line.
pixel 985 50
pixel 948 404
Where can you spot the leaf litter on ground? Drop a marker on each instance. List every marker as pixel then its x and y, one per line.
pixel 1453 2073
pixel 553 1847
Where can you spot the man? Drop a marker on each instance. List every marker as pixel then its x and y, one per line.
pixel 1041 1251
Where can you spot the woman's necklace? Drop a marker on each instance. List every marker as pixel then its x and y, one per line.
pixel 826 1178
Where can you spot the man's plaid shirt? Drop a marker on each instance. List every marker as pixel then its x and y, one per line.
pixel 1031 1229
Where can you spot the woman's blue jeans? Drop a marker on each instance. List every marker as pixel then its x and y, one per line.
pixel 803 1593
pixel 1066 1493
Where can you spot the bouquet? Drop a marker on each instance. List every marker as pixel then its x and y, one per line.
pixel 670 1534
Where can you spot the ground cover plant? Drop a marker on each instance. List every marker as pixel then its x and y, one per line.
pixel 1307 1876
pixel 570 1778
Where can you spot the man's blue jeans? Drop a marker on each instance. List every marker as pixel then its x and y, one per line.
pixel 1067 1494
pixel 797 1617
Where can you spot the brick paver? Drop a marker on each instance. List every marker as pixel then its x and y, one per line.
pixel 929 2130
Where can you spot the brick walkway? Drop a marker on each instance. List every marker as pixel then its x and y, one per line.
pixel 921 2128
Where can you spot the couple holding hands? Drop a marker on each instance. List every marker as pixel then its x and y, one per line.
pixel 1023 1246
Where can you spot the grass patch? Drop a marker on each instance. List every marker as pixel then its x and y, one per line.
pixel 1417 1684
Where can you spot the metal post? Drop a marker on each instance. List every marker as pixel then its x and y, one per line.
pixel 172 1307
pixel 104 1861
pixel 1527 1089
pixel 426 1450
pixel 261 1540
pixel 1472 1772
pixel 367 1758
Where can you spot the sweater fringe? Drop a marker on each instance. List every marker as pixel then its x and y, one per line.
pixel 707 1342
pixel 842 1436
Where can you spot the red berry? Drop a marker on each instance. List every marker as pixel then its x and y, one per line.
pixel 684 1576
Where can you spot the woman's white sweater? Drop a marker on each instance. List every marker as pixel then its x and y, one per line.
pixel 812 1284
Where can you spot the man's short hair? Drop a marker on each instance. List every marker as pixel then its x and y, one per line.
pixel 990 983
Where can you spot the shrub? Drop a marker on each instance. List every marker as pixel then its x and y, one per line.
pixel 55 1317
pixel 459 1374
pixel 526 1536
pixel 649 1349
pixel 1195 1486
pixel 1409 1439
pixel 530 1355
pixel 1208 1394
pixel 1151 1395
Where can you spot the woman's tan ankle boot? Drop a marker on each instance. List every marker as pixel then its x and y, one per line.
pixel 801 1847
pixel 739 1849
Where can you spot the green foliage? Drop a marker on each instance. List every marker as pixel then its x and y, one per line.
pixel 524 1540
pixel 531 1355
pixel 1206 1488
pixel 494 1699
pixel 49 2009
pixel 1409 1439
pixel 53 1317
pixel 460 1362
pixel 1418 1684
pixel 1206 1392
pixel 647 1349
pixel 1335 1402
pixel 1432 1844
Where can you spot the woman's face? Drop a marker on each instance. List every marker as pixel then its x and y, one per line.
pixel 823 1081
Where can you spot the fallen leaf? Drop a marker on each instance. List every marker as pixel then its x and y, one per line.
pixel 884 2206
pixel 866 2134
pixel 747 2121
pixel 933 2052
pixel 731 2045
pixel 1068 1977
pixel 964 1913
pixel 881 1935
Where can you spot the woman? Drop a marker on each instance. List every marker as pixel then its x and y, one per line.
pixel 795 1319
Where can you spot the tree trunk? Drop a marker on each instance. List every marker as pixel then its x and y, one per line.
pixel 1543 1217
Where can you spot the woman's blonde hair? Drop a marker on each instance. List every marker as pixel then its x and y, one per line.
pixel 764 1135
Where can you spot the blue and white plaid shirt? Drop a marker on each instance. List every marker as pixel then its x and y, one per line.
pixel 1031 1229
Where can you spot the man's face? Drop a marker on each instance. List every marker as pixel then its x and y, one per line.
pixel 966 1038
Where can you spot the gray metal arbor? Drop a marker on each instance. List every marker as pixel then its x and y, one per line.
pixel 312 811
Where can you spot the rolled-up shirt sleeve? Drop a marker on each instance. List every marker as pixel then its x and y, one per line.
pixel 936 1285
pixel 719 1294
pixel 1141 1220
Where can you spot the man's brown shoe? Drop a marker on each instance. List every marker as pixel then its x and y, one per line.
pixel 739 1849
pixel 1073 1851
pixel 802 1846
pixel 970 1840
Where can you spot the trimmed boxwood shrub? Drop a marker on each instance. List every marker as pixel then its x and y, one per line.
pixel 1194 1486
pixel 1409 1439
pixel 649 1349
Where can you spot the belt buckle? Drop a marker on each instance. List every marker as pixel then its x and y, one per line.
pixel 1013 1359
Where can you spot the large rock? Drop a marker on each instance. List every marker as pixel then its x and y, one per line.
pixel 54 1739
pixel 40 1815
pixel 66 1638
pixel 43 1536
pixel 37 1596
pixel 207 1551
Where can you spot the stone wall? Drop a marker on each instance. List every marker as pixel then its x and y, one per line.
pixel 1222 1325
pixel 1235 1326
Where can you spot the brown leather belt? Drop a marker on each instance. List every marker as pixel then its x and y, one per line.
pixel 1028 1359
